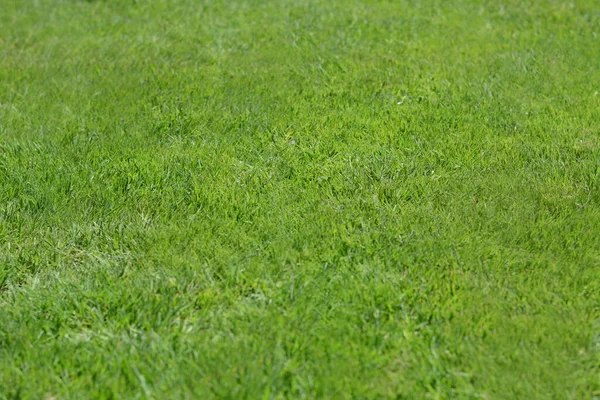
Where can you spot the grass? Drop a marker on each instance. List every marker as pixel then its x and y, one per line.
pixel 299 199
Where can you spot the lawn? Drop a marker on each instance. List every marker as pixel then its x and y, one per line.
pixel 267 199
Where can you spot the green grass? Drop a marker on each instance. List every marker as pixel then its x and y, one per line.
pixel 299 199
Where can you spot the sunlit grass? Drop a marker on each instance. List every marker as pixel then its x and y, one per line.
pixel 286 199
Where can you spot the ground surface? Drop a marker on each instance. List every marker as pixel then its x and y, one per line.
pixel 314 198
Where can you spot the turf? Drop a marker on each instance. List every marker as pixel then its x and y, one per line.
pixel 299 199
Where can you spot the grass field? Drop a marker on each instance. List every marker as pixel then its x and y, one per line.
pixel 299 199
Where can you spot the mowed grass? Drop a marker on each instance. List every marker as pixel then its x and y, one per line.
pixel 299 199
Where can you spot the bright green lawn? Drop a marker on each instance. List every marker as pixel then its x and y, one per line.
pixel 299 199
